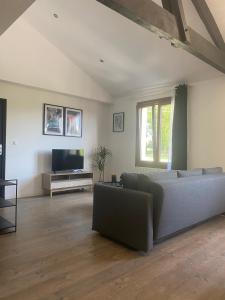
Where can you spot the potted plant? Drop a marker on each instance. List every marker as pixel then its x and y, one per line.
pixel 100 155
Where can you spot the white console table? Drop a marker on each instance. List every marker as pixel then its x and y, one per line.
pixel 65 181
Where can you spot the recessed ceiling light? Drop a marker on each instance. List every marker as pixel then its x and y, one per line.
pixel 101 60
pixel 56 16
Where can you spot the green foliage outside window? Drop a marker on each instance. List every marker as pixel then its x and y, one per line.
pixel 164 113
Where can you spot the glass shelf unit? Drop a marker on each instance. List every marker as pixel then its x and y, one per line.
pixel 7 226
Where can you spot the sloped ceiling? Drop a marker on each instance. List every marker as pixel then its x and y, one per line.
pixel 27 57
pixel 194 20
pixel 86 32
pixel 217 8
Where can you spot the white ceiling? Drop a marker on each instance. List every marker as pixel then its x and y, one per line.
pixel 86 31
pixel 217 8
pixel 194 21
pixel 28 58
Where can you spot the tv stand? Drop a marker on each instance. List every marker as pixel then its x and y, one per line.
pixel 69 171
pixel 65 181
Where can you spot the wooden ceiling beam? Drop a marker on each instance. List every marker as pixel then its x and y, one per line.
pixel 162 22
pixel 176 8
pixel 209 22
pixel 10 10
pixel 147 14
pixel 204 50
pixel 167 5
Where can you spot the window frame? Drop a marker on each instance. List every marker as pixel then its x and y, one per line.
pixel 142 163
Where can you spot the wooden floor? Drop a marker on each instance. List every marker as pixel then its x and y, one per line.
pixel 55 256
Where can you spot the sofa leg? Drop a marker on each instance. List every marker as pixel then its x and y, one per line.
pixel 145 253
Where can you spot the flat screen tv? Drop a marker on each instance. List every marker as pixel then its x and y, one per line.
pixel 67 159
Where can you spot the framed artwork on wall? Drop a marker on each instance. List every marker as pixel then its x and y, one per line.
pixel 73 122
pixel 118 122
pixel 53 120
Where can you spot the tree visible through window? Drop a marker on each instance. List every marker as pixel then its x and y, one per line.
pixel 154 132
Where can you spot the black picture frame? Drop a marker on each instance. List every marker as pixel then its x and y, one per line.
pixel 54 127
pixel 118 122
pixel 76 125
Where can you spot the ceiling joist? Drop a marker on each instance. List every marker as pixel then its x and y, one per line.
pixel 168 22
pixel 10 10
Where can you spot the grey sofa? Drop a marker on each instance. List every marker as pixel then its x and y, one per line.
pixel 149 208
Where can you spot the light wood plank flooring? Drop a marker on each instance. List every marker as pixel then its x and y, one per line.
pixel 55 256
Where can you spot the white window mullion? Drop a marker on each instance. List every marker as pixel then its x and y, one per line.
pixel 143 133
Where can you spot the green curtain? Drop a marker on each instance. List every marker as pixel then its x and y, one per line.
pixel 179 132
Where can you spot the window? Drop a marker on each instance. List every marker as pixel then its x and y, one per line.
pixel 153 133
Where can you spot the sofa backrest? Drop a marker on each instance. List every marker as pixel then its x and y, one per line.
pixel 186 201
pixel 136 181
pixel 196 172
pixel 162 175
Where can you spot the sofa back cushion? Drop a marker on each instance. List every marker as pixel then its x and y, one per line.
pixel 211 171
pixel 165 175
pixel 135 181
pixel 196 172
pixel 129 180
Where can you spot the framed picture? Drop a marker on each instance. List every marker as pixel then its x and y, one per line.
pixel 118 122
pixel 73 122
pixel 53 120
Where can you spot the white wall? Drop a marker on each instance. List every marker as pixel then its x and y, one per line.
pixel 123 144
pixel 31 155
pixel 206 124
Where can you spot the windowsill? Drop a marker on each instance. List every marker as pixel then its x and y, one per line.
pixel 149 164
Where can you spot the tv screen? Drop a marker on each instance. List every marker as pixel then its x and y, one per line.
pixel 67 159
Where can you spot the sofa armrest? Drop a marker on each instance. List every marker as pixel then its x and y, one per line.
pixel 124 215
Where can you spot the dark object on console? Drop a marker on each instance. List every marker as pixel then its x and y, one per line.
pixel 123 215
pixel 114 180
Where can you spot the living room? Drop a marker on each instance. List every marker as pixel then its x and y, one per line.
pixel 92 57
